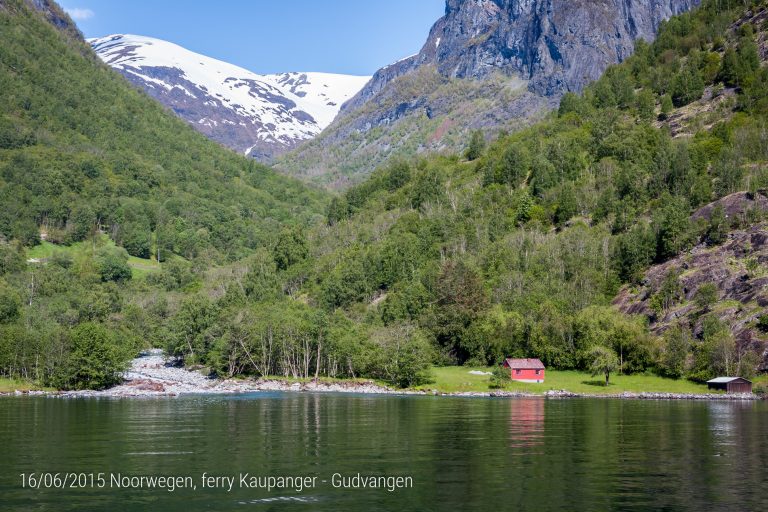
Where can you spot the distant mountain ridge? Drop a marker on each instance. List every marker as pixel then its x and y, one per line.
pixel 511 60
pixel 257 115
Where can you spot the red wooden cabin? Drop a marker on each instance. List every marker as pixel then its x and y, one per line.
pixel 525 370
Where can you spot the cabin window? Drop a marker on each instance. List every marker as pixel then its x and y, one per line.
pixel 517 372
pixel 538 372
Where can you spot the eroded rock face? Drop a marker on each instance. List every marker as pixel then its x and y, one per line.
pixel 737 267
pixel 735 206
pixel 53 14
pixel 558 45
pixel 543 48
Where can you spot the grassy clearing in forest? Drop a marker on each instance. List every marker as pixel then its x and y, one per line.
pixel 140 267
pixel 452 379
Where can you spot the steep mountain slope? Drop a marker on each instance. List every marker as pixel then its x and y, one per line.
pixel 558 45
pixel 725 281
pixel 133 205
pixel 57 17
pixel 519 248
pixel 256 115
pixel 83 150
pixel 476 55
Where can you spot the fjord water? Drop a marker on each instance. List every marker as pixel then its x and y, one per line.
pixel 462 453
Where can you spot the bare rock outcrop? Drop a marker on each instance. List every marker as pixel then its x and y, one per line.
pixel 526 53
pixel 738 268
pixel 558 45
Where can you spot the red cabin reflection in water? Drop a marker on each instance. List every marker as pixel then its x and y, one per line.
pixel 526 422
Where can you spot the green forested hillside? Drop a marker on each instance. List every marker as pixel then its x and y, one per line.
pixel 521 250
pixel 516 248
pixel 80 149
pixel 82 153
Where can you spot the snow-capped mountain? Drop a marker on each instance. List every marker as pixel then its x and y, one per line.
pixel 257 115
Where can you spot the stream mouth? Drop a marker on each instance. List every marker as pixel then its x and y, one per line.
pixel 152 374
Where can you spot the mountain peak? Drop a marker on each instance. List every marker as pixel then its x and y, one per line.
pixel 513 57
pixel 258 115
pixel 558 45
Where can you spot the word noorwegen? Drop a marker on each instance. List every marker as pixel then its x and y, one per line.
pixel 172 483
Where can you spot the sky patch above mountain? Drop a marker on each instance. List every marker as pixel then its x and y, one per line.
pixel 344 36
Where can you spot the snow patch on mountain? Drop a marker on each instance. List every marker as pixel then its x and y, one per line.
pixel 260 115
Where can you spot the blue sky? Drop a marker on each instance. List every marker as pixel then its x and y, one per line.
pixel 268 36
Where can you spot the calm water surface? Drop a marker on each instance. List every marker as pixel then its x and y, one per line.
pixel 462 454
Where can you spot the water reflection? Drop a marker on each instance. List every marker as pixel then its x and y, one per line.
pixel 723 418
pixel 526 422
pixel 466 454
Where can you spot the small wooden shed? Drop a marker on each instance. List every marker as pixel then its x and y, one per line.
pixel 730 384
pixel 525 370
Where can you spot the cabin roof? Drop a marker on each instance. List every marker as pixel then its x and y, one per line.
pixel 526 364
pixel 725 380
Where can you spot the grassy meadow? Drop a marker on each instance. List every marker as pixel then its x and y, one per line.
pixel 10 385
pixel 452 379
pixel 140 267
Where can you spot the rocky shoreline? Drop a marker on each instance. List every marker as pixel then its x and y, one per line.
pixel 151 376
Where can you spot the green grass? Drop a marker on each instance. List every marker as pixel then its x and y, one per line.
pixel 140 267
pixel 452 379
pixel 47 249
pixel 760 383
pixel 10 385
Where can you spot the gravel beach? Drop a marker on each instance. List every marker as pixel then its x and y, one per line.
pixel 151 375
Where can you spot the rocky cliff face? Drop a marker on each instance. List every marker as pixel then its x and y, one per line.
pixel 736 268
pixel 548 46
pixel 558 45
pixel 52 12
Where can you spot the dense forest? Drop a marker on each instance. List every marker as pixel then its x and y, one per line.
pixel 515 248
pixel 84 155
pixel 82 151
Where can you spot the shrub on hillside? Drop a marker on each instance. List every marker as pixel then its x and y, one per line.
pixel 112 264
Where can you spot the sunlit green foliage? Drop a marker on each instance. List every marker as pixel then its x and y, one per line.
pixel 95 361
pixel 81 150
pixel 516 248
pixel 520 250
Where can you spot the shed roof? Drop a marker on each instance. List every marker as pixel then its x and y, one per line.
pixel 724 380
pixel 535 364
